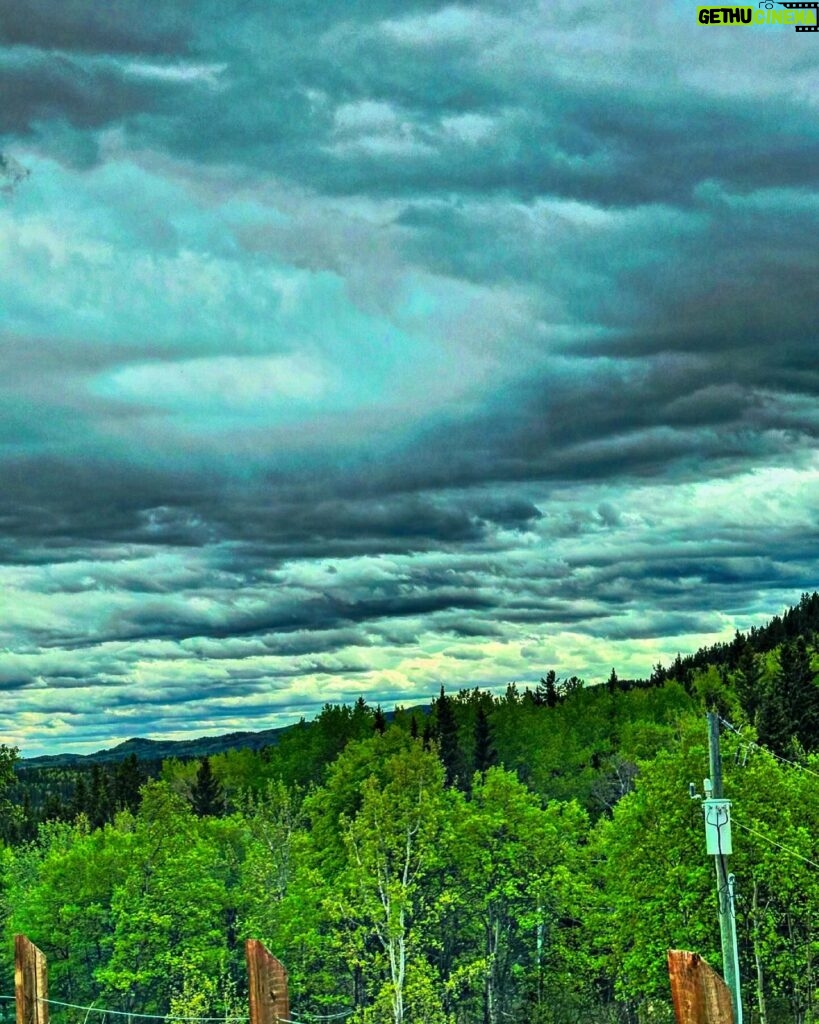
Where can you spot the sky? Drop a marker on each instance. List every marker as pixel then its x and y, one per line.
pixel 363 347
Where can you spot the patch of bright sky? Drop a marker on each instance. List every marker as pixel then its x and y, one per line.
pixel 703 517
pixel 450 24
pixel 207 74
pixel 136 259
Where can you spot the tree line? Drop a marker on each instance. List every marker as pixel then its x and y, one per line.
pixel 529 856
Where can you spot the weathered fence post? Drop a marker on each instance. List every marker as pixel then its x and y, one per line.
pixel 30 982
pixel 699 993
pixel 267 985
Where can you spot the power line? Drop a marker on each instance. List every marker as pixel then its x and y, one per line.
pixel 773 842
pixel 751 744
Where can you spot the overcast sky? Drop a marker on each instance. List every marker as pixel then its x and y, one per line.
pixel 360 346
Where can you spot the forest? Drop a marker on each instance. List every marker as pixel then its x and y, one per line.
pixel 527 856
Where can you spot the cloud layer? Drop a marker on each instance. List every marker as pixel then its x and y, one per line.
pixel 361 348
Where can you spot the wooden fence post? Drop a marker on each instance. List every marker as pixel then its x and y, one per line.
pixel 699 993
pixel 30 982
pixel 267 985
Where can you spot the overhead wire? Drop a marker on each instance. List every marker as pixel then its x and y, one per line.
pixel 773 842
pixel 752 743
pixel 794 764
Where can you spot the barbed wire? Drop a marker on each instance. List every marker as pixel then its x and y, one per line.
pixel 315 1016
pixel 187 1020
pixel 128 1013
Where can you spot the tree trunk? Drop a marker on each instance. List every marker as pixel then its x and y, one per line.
pixel 760 977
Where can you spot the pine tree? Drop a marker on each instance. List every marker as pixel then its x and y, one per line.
pixel 748 682
pixel 99 798
pixel 206 796
pixel 485 753
pixel 127 782
pixel 790 707
pixel 379 721
pixel 447 735
pixel 803 693
pixel 546 693
pixel 79 802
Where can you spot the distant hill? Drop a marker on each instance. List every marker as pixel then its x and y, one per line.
pixel 159 750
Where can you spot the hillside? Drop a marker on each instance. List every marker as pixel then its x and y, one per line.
pixel 159 750
pixel 537 850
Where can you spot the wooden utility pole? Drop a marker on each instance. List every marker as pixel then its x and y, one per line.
pixel 725 881
pixel 700 995
pixel 30 982
pixel 267 986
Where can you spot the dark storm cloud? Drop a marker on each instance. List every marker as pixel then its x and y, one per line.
pixel 58 502
pixel 86 96
pixel 553 136
pixel 10 684
pixel 320 613
pixel 313 641
pixel 129 26
pixel 657 624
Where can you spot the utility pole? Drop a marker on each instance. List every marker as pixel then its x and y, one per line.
pixel 718 843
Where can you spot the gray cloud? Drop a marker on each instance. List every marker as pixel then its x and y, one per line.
pixel 357 348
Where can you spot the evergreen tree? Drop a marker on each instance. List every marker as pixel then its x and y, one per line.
pixel 79 802
pixel 748 682
pixel 790 707
pixel 361 719
pixel 54 809
pixel 447 735
pixel 547 692
pixel 206 796
pixel 569 687
pixel 379 721
pixel 803 693
pixel 485 754
pixel 99 798
pixel 127 781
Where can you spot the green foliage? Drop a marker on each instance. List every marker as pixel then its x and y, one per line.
pixel 60 893
pixel 788 718
pixel 649 861
pixel 531 858
pixel 9 814
pixel 393 844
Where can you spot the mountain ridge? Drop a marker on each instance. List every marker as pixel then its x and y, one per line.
pixel 147 749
